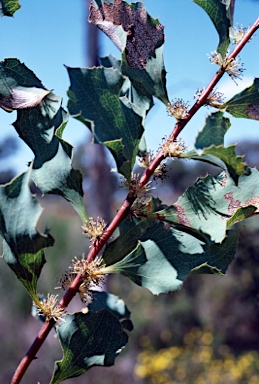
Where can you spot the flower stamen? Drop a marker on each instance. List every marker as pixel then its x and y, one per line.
pixel 178 108
pixel 215 98
pixel 236 34
pixel 50 310
pixel 173 148
pixel 93 229
pixel 233 67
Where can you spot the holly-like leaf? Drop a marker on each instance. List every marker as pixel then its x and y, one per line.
pixel 23 245
pixel 152 80
pixel 140 38
pixel 114 304
pixel 213 133
pixel 164 257
pixel 222 157
pixel 211 205
pixel 140 103
pixel 8 7
pixel 246 103
pixel 234 164
pixel 87 340
pixel 211 141
pixel 222 17
pixel 52 172
pixel 40 123
pixel 19 87
pixel 94 99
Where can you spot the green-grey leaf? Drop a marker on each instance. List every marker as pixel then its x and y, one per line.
pixel 234 164
pixel 52 171
pixel 141 103
pixel 87 340
pixel 130 231
pixel 150 81
pixel 40 123
pixel 114 304
pixel 241 214
pixel 222 17
pixel 110 62
pixel 19 87
pixel 225 158
pixel 164 257
pixel 23 245
pixel 159 256
pixel 213 132
pixel 205 268
pixel 209 205
pixel 95 99
pixel 128 26
pixel 13 74
pixel 8 7
pixel 246 103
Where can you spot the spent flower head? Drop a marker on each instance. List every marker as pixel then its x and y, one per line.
pixel 89 271
pixel 93 229
pixel 236 33
pixel 137 190
pixel 173 148
pixel 216 58
pixel 66 280
pixel 138 208
pixel 92 276
pixel 49 308
pixel 215 98
pixel 145 161
pixel 178 108
pixel 233 67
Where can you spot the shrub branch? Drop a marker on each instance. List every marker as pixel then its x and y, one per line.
pixel 125 207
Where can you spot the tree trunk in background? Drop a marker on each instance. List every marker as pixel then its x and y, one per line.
pixel 100 190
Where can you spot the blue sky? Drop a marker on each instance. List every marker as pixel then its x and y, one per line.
pixel 47 34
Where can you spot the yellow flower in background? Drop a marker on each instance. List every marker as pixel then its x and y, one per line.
pixel 198 361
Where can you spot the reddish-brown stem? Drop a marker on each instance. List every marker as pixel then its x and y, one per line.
pixel 124 209
pixel 46 328
pixel 202 99
pixel 31 354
